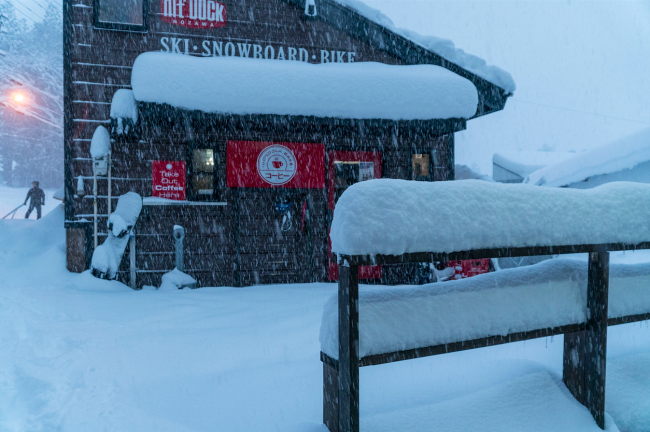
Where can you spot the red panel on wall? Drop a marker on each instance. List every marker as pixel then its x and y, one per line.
pixel 169 179
pixel 275 165
pixel 372 160
pixel 348 156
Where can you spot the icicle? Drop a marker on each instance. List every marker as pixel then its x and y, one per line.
pixel 310 8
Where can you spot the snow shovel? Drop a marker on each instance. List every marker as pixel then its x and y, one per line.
pixel 13 212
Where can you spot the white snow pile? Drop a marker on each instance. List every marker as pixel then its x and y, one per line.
pixel 443 47
pixel 124 111
pixel 348 90
pixel 619 155
pixel 523 163
pixel 393 217
pixel 176 279
pixel 124 105
pixel 107 257
pixel 549 294
pixel 100 144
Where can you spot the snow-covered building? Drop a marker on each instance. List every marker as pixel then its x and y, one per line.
pixel 514 167
pixel 627 159
pixel 244 122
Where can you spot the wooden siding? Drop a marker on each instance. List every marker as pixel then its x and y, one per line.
pixel 239 243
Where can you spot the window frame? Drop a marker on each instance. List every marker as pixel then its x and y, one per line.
pixel 189 181
pixel 121 26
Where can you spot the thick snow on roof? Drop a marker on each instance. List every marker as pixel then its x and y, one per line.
pixel 619 155
pixel 393 217
pixel 523 163
pixel 347 90
pixel 549 294
pixel 443 47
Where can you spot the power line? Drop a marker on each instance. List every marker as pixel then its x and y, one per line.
pixel 18 137
pixel 23 5
pixel 582 112
pixel 26 16
pixel 39 5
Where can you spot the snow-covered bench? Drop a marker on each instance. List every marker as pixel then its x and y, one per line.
pixel 395 221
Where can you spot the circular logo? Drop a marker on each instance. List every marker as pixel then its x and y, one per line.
pixel 276 164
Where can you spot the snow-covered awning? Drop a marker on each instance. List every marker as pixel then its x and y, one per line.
pixel 365 90
pixel 393 217
pixel 619 155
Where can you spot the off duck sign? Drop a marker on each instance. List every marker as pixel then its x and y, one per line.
pixel 194 13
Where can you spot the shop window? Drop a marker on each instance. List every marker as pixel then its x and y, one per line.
pixel 202 174
pixel 121 14
pixel 421 167
pixel 348 173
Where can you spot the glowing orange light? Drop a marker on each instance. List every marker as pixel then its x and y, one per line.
pixel 19 97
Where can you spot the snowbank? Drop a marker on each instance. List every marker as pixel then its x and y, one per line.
pixel 443 47
pixel 549 294
pixel 619 155
pixel 347 90
pixel 176 279
pixel 523 163
pixel 101 143
pixel 393 217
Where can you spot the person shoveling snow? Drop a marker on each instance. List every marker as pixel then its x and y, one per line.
pixel 37 197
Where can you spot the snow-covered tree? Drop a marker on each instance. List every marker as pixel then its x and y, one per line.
pixel 31 93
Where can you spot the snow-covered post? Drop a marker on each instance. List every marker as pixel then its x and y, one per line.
pixel 585 352
pixel 348 347
pixel 596 334
pixel 132 273
pixel 179 235
pixel 99 150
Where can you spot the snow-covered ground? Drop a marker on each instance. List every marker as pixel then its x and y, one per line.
pixel 80 354
pixel 10 198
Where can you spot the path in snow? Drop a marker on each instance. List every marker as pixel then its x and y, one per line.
pixel 10 198
pixel 84 354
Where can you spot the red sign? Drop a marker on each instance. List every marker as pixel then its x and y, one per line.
pixel 275 165
pixel 194 13
pixel 468 268
pixel 169 180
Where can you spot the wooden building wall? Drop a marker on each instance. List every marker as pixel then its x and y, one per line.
pixel 238 243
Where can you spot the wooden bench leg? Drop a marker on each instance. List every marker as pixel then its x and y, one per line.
pixel 348 348
pixel 585 353
pixel 330 397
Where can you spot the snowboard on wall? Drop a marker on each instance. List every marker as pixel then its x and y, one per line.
pixel 107 257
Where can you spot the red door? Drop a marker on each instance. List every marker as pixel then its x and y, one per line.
pixel 346 168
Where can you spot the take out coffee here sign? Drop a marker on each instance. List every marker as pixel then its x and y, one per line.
pixel 169 179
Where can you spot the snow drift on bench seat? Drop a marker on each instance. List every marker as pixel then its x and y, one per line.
pixel 364 90
pixel 549 294
pixel 393 217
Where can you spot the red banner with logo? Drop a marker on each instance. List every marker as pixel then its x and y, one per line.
pixel 275 165
pixel 193 13
pixel 169 180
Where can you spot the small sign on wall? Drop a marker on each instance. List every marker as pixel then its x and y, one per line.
pixel 169 179
pixel 194 13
